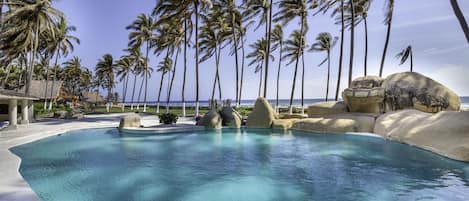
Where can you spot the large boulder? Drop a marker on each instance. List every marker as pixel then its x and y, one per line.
pixel 262 116
pixel 326 108
pixel 211 120
pixel 413 90
pixel 230 117
pixel 61 114
pixel 445 133
pixel 130 121
pixel 365 95
pixel 338 123
pixel 283 124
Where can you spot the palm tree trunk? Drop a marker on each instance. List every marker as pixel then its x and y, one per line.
pixel 235 39
pixel 133 92
pixel 125 91
pixel 146 77
pixel 366 47
pixel 411 61
pixel 386 43
pixel 278 75
pixel 196 7
pixel 242 71
pixel 341 56
pixel 352 44
pixel 217 63
pixel 303 84
pixel 185 70
pixel 57 56
pixel 328 73
pixel 461 19
pixel 290 108
pixel 172 78
pixel 159 93
pixel 268 49
pixel 260 82
pixel 140 93
pixel 47 82
pixel 167 91
pixel 33 56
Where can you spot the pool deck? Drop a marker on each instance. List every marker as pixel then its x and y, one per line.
pixel 12 185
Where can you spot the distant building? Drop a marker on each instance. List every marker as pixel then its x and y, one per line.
pixel 92 97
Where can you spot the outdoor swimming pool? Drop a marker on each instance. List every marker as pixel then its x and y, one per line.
pixel 248 165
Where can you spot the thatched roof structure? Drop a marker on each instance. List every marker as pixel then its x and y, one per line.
pixel 91 97
pixel 7 95
pixel 38 89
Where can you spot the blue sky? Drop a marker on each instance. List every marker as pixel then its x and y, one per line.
pixel 440 49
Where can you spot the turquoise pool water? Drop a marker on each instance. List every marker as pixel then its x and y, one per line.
pixel 252 165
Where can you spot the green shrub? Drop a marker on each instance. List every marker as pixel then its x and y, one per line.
pixel 168 118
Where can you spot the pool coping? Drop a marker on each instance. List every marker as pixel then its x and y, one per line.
pixel 13 187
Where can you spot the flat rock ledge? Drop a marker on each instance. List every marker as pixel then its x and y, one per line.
pixel 444 133
pixel 337 123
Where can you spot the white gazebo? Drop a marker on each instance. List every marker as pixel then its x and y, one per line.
pixel 13 99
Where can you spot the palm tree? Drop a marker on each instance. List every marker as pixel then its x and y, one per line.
pixel 263 8
pixel 387 21
pixel 364 6
pixel 461 19
pixel 293 50
pixel 142 33
pixel 277 39
pixel 26 21
pixel 324 43
pixel 258 56
pixel 105 68
pixel 213 34
pixel 64 45
pixel 289 10
pixel 124 70
pixel 71 74
pixel 404 55
pixel 164 67
pixel 138 62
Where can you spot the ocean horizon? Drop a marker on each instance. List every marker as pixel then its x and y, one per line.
pixel 251 102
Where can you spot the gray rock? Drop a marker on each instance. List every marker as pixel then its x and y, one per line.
pixel 230 117
pixel 130 121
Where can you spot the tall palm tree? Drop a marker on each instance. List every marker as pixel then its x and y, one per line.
pixel 258 56
pixel 406 54
pixel 142 34
pixel 324 43
pixel 134 54
pixel 289 10
pixel 352 40
pixel 462 21
pixel 277 39
pixel 64 45
pixel 71 74
pixel 387 21
pixel 262 8
pixel 105 68
pixel 164 67
pixel 124 69
pixel 214 33
pixel 293 50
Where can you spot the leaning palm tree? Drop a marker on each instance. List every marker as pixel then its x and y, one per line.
pixel 406 54
pixel 164 67
pixel 324 43
pixel 105 68
pixel 277 39
pixel 64 45
pixel 387 21
pixel 462 21
pixel 124 69
pixel 289 10
pixel 142 34
pixel 293 50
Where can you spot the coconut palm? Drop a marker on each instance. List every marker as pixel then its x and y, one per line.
pixel 71 74
pixel 462 21
pixel 388 22
pixel 406 54
pixel 164 67
pixel 262 8
pixel 124 69
pixel 277 39
pixel 105 68
pixel 63 44
pixel 134 54
pixel 294 48
pixel 25 22
pixel 142 34
pixel 324 43
pixel 289 10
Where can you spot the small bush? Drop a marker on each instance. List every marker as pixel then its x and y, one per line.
pixel 168 118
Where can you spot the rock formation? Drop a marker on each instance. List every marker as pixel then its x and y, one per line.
pixel 130 121
pixel 326 108
pixel 338 123
pixel 211 120
pixel 230 117
pixel 262 116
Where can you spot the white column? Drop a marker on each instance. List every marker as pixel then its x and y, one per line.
pixel 13 113
pixel 31 111
pixel 24 112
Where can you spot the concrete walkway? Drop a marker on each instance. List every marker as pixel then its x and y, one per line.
pixel 12 185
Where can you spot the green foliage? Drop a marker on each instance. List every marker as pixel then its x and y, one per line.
pixel 244 111
pixel 168 118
